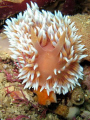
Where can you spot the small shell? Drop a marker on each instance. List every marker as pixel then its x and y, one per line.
pixel 77 96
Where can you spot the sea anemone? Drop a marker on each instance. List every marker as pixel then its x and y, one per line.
pixel 47 48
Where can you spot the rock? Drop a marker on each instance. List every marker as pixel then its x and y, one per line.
pixel 73 112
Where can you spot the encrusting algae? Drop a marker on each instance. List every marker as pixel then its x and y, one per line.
pixel 48 51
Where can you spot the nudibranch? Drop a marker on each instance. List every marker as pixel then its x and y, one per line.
pixel 47 48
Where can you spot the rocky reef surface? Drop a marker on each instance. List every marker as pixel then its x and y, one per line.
pixel 17 103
